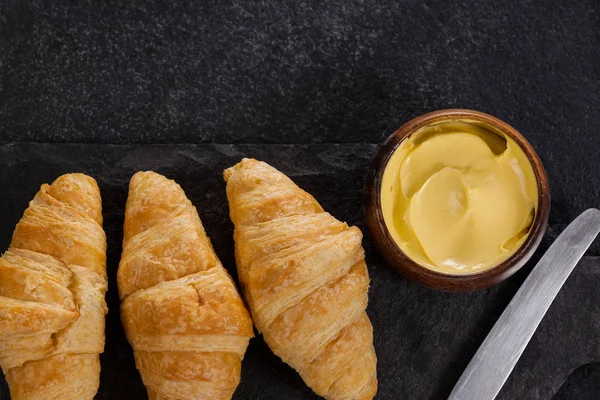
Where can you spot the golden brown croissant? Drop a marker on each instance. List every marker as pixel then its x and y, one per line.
pixel 52 286
pixel 182 314
pixel 305 280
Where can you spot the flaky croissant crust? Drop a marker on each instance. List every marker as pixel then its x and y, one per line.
pixel 305 280
pixel 180 309
pixel 52 286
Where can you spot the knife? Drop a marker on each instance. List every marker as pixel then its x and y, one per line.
pixel 492 364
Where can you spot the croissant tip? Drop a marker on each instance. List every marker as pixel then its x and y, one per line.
pixel 229 171
pixel 73 176
pixel 141 174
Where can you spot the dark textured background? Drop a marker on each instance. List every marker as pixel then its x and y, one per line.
pixel 298 72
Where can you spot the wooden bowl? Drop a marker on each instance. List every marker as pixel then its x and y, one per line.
pixel 428 277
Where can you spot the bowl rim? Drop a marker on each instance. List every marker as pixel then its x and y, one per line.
pixel 440 280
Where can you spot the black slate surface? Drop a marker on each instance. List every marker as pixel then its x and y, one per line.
pixel 423 338
pixel 153 71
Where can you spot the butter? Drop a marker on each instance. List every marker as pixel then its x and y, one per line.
pixel 458 198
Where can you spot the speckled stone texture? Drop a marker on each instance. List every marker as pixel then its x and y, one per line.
pixel 303 72
pixel 296 71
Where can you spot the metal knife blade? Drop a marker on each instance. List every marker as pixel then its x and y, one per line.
pixel 492 364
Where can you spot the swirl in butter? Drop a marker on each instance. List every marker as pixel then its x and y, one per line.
pixel 458 198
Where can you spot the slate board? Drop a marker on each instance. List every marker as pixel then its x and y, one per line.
pixel 423 338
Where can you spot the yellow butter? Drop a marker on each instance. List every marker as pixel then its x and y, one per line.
pixel 458 198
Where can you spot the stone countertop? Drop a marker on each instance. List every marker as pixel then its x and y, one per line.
pixel 298 72
pixel 342 71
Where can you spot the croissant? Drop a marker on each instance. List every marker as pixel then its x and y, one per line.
pixel 305 280
pixel 52 286
pixel 182 314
